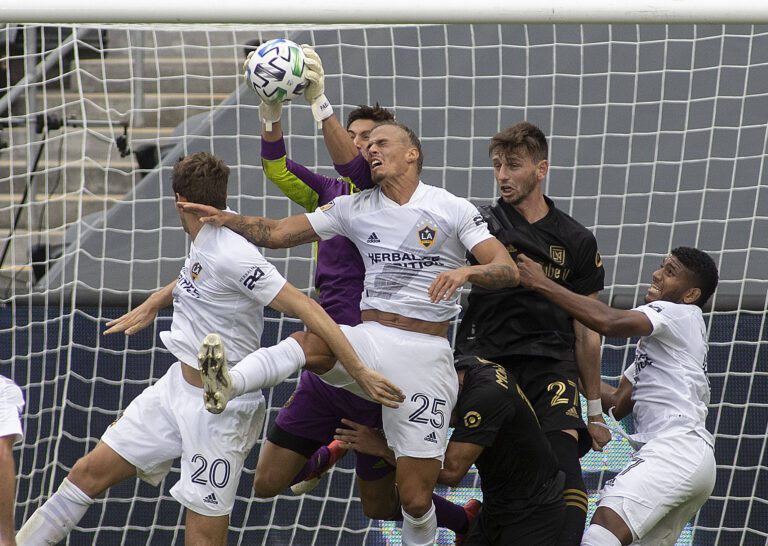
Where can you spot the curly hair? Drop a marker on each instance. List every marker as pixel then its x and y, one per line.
pixel 702 269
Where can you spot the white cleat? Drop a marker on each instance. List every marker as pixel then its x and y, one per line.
pixel 217 384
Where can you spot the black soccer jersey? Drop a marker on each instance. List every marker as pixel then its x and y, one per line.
pixel 517 321
pixel 518 470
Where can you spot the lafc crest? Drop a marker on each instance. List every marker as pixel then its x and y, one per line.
pixel 427 236
pixel 557 253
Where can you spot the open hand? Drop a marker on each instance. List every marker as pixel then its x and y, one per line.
pixel 379 388
pixel 206 213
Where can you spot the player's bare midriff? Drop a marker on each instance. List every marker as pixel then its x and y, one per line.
pixel 406 323
pixel 191 375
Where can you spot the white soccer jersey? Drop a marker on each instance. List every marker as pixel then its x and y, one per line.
pixel 669 375
pixel 223 288
pixel 11 405
pixel 404 247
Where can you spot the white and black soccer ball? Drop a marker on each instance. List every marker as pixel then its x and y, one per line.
pixel 276 71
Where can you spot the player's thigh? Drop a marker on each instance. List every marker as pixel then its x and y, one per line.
pixel 203 530
pixel 214 448
pixel 275 469
pixel 379 497
pixel 665 474
pixel 416 478
pixel 146 435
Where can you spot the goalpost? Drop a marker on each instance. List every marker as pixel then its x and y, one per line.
pixel 658 135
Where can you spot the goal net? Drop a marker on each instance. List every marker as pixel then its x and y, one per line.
pixel 658 139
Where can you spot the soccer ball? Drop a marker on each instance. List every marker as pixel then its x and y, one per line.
pixel 275 71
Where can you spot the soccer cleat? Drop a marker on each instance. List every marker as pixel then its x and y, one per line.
pixel 471 508
pixel 217 384
pixel 311 481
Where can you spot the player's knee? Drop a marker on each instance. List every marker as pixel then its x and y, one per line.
pixel 416 506
pixel 264 487
pixel 319 358
pixel 85 476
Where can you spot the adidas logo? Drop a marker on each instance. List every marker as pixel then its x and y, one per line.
pixel 572 413
pixel 431 437
pixel 373 238
pixel 211 499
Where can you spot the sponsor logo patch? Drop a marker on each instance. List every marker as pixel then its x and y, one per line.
pixel 251 277
pixel 326 206
pixel 472 419
pixel 431 437
pixel 196 270
pixel 373 238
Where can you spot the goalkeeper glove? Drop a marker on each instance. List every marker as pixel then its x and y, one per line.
pixel 269 112
pixel 314 93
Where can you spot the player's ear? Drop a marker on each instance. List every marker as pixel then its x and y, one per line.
pixel 542 168
pixel 412 155
pixel 692 295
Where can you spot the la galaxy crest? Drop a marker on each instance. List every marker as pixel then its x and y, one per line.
pixel 427 235
pixel 196 270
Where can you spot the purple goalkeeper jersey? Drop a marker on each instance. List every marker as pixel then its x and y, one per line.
pixel 340 270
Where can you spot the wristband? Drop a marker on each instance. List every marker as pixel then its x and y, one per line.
pixel 321 109
pixel 594 407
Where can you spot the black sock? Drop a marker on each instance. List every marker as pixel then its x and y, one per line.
pixel 566 449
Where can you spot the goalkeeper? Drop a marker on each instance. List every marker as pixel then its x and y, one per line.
pixel 295 452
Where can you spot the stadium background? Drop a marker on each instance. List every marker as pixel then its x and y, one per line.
pixel 657 133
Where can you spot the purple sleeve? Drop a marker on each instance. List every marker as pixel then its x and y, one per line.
pixel 272 153
pixel 358 171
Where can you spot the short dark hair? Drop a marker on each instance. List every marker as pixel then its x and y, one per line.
pixel 375 113
pixel 413 140
pixel 201 178
pixel 520 136
pixel 702 269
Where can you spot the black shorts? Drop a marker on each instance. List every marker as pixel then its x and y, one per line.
pixel 552 388
pixel 540 527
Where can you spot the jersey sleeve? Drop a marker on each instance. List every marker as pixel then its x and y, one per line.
pixel 590 276
pixel 298 183
pixel 254 276
pixel 629 373
pixel 482 411
pixel 666 320
pixel 357 171
pixel 472 228
pixel 329 220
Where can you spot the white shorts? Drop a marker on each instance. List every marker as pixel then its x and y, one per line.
pixel 662 487
pixel 422 366
pixel 168 420
pixel 11 406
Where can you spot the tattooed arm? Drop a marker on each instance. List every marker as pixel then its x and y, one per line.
pixel 283 233
pixel 496 270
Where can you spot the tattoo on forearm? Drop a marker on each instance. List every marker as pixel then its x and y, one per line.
pixel 496 276
pixel 255 229
pixel 294 239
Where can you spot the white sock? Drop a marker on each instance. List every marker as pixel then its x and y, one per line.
pixel 597 535
pixel 267 367
pixel 52 522
pixel 419 531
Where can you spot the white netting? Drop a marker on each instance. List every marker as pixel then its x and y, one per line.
pixel 657 136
